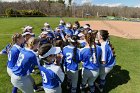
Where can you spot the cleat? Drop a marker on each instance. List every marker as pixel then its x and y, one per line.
pixel 98 87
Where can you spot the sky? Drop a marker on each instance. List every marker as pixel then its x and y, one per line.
pixel 111 3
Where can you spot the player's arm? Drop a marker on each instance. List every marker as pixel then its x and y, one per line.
pixel 103 55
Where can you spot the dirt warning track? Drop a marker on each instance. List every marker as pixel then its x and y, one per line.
pixel 130 30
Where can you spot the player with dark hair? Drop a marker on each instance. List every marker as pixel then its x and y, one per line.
pixel 51 73
pixel 71 58
pixel 90 56
pixel 107 58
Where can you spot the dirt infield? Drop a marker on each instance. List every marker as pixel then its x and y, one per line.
pixel 130 30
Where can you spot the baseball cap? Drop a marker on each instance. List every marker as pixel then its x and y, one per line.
pixel 53 50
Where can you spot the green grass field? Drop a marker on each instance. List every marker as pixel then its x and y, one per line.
pixel 124 78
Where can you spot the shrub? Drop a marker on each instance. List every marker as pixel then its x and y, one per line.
pixel 24 13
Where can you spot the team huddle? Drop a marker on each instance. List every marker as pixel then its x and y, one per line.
pixel 58 55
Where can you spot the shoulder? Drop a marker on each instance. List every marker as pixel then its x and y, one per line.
pixel 98 47
pixel 55 68
pixel 83 49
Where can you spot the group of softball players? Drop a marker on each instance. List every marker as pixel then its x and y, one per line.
pixel 57 54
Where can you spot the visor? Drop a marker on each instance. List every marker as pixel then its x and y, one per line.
pixel 68 25
pixel 44 32
pixel 28 33
pixel 46 24
pixel 61 21
pixel 53 50
pixel 27 28
pixel 81 34
pixel 85 26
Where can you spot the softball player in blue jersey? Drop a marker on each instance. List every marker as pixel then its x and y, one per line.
pixel 82 40
pixel 68 29
pixel 52 74
pixel 107 58
pixel 26 61
pixel 13 54
pixel 71 58
pixel 90 56
pixel 62 25
pixel 17 41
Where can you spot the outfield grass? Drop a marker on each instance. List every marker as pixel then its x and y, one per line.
pixel 124 78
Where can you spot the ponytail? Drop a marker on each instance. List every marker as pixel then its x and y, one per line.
pixel 90 38
pixel 74 52
pixel 74 42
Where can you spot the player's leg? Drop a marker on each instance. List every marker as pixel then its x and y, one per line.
pixel 33 82
pixel 9 71
pixel 69 79
pixel 74 81
pixel 22 83
pixel 54 90
pixel 92 78
pixel 85 76
pixel 103 72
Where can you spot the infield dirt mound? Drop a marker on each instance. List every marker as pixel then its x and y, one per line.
pixel 130 30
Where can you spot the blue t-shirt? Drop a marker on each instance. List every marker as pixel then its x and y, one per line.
pixel 107 55
pixel 52 75
pixel 69 63
pixel 26 61
pixel 13 55
pixel 90 61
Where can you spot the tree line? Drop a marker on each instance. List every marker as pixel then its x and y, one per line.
pixel 50 8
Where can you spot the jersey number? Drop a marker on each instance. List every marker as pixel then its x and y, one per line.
pixel 9 56
pixel 93 58
pixel 44 77
pixel 69 56
pixel 20 59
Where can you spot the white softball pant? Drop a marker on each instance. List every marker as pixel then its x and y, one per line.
pixel 73 77
pixel 9 71
pixel 89 76
pixel 23 83
pixel 54 90
pixel 104 71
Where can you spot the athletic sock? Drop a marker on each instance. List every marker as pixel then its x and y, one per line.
pixel 92 89
pixel 102 83
pixel 14 90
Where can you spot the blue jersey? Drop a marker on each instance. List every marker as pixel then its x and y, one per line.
pixel 26 61
pixel 107 55
pixel 52 75
pixel 59 35
pixel 91 61
pixel 82 43
pixel 68 31
pixel 62 27
pixel 76 32
pixel 69 63
pixel 13 55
